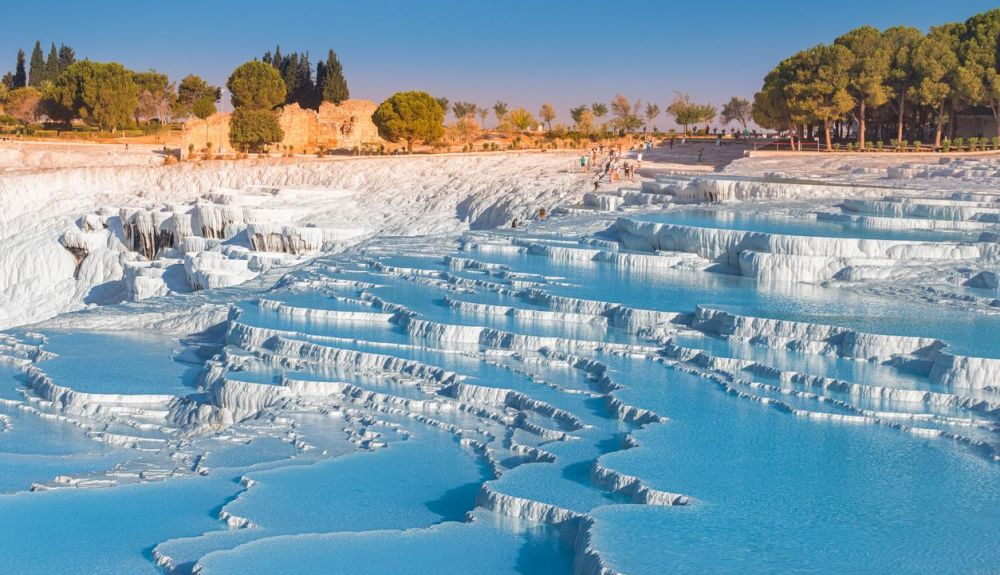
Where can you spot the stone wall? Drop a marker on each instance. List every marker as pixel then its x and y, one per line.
pixel 217 132
pixel 333 127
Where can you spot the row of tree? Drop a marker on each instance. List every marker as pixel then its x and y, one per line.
pixel 304 88
pixel 626 115
pixel 873 81
pixel 42 70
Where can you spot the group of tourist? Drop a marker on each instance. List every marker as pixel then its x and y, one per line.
pixel 613 167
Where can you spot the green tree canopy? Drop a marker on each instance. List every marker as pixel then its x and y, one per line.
pixel 410 116
pixel 24 104
pixel 252 129
pixel 547 113
pixel 868 74
pixel 191 89
pixel 102 94
pixel 686 112
pixel 155 94
pixel 256 86
pixel 935 66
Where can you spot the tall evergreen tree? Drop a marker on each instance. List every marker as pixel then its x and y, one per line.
pixel 334 84
pixel 20 76
pixel 67 57
pixel 52 64
pixel 36 75
pixel 305 89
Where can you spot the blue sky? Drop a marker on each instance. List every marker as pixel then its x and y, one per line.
pixel 524 53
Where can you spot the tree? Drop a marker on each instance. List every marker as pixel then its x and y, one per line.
pixel 600 110
pixel 900 42
pixel 686 112
pixel 333 85
pixel 935 66
pixel 202 109
pixel 868 75
pixel 252 129
pixel 20 76
pixel 522 119
pixel 584 120
pixel 67 57
pixel 626 113
pixel 500 110
pixel 24 104
pixel 652 111
pixel 822 85
pixel 52 64
pixel 256 86
pixel 547 113
pixel 577 113
pixel 463 109
pixel 443 102
pixel 483 112
pixel 410 116
pixel 156 94
pixel 738 110
pixel 102 94
pixel 979 76
pixel 36 75
pixel 191 89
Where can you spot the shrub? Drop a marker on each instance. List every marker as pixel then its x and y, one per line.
pixel 916 145
pixel 254 129
pixel 946 145
pixel 850 146
pixel 894 143
pixel 958 143
pixel 836 147
pixel 879 145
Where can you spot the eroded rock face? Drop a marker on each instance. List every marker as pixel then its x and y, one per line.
pixel 344 126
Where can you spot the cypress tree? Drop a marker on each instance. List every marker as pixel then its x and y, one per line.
pixel 20 76
pixel 36 75
pixel 52 64
pixel 66 57
pixel 334 84
pixel 290 74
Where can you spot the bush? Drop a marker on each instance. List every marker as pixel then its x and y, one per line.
pixel 836 147
pixel 894 143
pixel 879 145
pixel 916 145
pixel 254 129
pixel 850 146
pixel 946 145
pixel 995 142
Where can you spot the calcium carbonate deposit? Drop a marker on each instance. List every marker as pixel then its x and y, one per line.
pixel 358 366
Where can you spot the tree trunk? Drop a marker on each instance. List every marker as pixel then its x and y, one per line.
pixel 899 125
pixel 826 132
pixel 861 125
pixel 940 125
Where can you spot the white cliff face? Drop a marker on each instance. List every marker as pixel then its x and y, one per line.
pixel 298 209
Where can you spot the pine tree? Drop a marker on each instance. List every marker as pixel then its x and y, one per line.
pixel 37 73
pixel 290 74
pixel 20 76
pixel 52 64
pixel 66 57
pixel 334 84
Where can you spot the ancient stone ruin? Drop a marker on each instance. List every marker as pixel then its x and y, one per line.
pixel 334 127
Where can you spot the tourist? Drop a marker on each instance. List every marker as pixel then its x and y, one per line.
pixel 638 160
pixel 583 163
pixel 701 153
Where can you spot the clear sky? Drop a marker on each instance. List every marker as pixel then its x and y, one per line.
pixel 522 52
